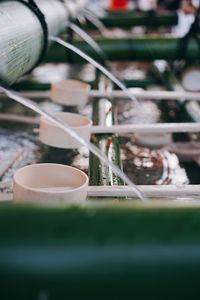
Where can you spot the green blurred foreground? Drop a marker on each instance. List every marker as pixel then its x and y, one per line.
pixel 104 251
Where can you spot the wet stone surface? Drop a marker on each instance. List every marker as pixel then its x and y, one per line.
pixel 18 148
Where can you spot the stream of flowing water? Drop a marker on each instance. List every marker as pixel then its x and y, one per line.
pixel 96 22
pixel 36 108
pixel 97 65
pixel 88 39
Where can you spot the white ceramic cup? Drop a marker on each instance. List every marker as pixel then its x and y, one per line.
pixel 52 135
pixel 50 183
pixel 70 92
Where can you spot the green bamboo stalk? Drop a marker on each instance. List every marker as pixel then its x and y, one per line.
pixel 22 35
pixel 97 252
pixel 108 144
pixel 130 19
pixel 144 49
pixel 100 174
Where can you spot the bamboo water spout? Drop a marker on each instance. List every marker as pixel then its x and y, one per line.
pixel 21 35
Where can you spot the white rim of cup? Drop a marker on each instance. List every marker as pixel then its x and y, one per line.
pixel 17 174
pixel 46 127
pixel 57 114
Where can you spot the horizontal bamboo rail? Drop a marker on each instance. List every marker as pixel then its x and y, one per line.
pixel 152 129
pixel 187 194
pixel 164 192
pixel 117 94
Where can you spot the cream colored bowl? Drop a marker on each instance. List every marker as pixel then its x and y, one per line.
pixel 54 136
pixel 52 183
pixel 70 92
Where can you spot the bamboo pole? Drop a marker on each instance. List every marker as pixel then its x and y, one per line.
pixel 131 18
pixel 117 94
pixel 106 130
pixel 150 191
pixel 96 250
pixel 145 49
pixel 164 193
pixel 146 95
pixel 41 86
pixel 148 128
pixel 22 36
pixel 104 114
